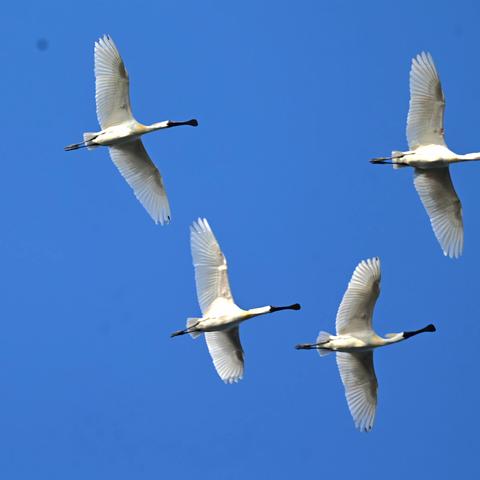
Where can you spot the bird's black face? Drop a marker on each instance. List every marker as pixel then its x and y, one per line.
pixel 428 328
pixel 295 306
pixel 193 123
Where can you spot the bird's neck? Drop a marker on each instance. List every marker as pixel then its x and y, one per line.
pixel 393 338
pixel 171 123
pixel 255 312
pixel 158 126
pixel 469 157
pixel 398 337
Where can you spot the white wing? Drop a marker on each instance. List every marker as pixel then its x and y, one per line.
pixel 227 354
pixel 143 176
pixel 443 206
pixel 360 382
pixel 427 104
pixel 356 310
pixel 111 85
pixel 211 274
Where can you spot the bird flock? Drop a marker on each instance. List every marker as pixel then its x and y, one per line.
pixel 355 338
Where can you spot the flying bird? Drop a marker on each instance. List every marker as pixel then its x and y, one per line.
pixel 430 157
pixel 355 341
pixel 121 132
pixel 221 317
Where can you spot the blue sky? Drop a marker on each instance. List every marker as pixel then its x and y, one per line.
pixel 293 98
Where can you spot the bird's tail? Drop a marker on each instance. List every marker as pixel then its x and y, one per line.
pixel 396 156
pixel 191 322
pixel 87 140
pixel 323 337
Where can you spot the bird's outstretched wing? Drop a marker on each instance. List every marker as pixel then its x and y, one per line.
pixel 211 274
pixel 443 206
pixel 143 176
pixel 356 310
pixel 427 104
pixel 360 382
pixel 111 85
pixel 227 354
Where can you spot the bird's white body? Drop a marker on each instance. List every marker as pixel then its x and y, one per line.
pixel 429 155
pixel 221 317
pixel 432 156
pixel 355 341
pixel 118 134
pixel 121 132
pixel 359 342
pixel 224 315
pixel 128 131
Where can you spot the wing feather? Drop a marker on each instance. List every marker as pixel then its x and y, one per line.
pixel 143 176
pixel 427 104
pixel 356 309
pixel 211 275
pixel 227 354
pixel 360 382
pixel 435 188
pixel 111 85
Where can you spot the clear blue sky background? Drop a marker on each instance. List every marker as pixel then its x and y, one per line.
pixel 293 98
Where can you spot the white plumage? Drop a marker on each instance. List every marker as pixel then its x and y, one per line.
pixel 144 178
pixel 356 310
pixel 427 104
pixel 360 382
pixel 227 353
pixel 355 339
pixel 112 89
pixel 429 155
pixel 121 132
pixel 221 316
pixel 435 188
pixel 211 275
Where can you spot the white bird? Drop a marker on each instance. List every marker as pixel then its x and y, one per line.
pixel 121 132
pixel 355 340
pixel 429 155
pixel 220 316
